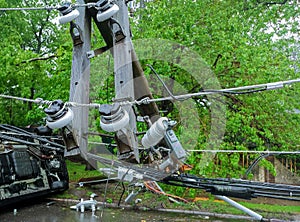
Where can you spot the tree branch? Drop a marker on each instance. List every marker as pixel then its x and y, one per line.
pixel 37 59
pixel 265 3
pixel 271 3
pixel 219 56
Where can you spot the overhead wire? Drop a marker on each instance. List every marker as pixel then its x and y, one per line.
pixel 37 101
pixel 106 187
pixel 235 91
pixel 47 7
pixel 247 151
pixel 163 83
pixel 228 187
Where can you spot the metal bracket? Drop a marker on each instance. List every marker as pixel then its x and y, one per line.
pixel 125 174
pixel 96 52
pixel 117 30
pixel 177 154
pixel 76 34
pixel 122 100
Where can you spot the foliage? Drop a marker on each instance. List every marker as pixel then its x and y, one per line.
pixel 244 43
pixel 36 57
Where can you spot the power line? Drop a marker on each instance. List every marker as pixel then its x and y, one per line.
pixel 235 91
pixel 37 101
pixel 47 7
pixel 247 151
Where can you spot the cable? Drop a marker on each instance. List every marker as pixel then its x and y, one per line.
pixel 247 151
pixel 163 83
pixel 149 186
pixel 106 187
pixel 37 101
pixel 41 101
pixel 239 188
pixel 255 162
pixel 47 8
pixel 237 90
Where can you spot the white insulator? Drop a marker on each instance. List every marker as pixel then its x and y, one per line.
pixel 116 125
pixel 68 17
pixel 102 16
pixel 61 122
pixel 156 132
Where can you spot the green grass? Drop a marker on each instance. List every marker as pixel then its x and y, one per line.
pixel 77 171
pixel 266 210
pixel 65 195
pixel 272 208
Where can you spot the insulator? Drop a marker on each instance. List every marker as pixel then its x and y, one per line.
pixel 68 13
pixel 58 115
pixel 156 132
pixel 113 117
pixel 106 10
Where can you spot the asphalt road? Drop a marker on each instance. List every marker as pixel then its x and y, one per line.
pixel 58 212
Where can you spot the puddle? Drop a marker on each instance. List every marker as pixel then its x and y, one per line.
pixel 57 212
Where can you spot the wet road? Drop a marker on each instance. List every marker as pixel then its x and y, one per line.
pixel 57 212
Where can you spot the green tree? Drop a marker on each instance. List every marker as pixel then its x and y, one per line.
pixel 244 43
pixel 36 55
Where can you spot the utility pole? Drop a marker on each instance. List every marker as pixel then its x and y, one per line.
pixel 124 82
pixel 80 31
pixel 116 34
pixel 141 89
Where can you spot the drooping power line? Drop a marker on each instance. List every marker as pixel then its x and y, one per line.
pixel 235 91
pixel 47 7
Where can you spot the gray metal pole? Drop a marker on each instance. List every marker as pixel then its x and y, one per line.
pixel 256 216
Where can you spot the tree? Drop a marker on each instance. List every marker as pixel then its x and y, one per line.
pixel 244 43
pixel 37 57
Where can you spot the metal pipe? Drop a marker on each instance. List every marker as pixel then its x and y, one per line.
pixel 256 216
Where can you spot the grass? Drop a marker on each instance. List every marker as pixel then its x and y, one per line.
pixel 272 208
pixel 207 203
pixel 266 210
pixel 77 171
